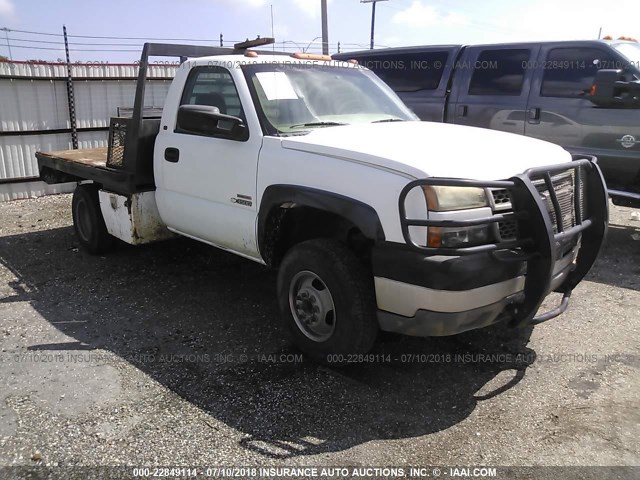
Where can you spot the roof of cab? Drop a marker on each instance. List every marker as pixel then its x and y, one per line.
pixel 238 60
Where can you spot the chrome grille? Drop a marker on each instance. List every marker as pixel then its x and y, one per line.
pixel 502 203
pixel 508 230
pixel 501 197
pixel 564 184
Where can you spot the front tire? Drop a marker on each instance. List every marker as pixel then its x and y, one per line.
pixel 88 222
pixel 327 300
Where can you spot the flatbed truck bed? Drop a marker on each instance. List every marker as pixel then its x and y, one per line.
pixel 80 165
pixel 92 157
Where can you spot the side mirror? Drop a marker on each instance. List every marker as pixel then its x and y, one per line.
pixel 207 120
pixel 610 89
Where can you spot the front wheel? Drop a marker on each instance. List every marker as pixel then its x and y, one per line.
pixel 327 300
pixel 88 222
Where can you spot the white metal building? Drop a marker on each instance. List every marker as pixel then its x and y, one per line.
pixel 34 113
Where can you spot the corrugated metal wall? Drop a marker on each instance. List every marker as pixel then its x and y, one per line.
pixel 33 98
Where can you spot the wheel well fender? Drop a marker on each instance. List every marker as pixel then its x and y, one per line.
pixel 363 216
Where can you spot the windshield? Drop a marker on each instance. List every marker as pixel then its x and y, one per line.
pixel 295 98
pixel 631 51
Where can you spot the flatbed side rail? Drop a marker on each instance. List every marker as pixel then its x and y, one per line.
pixel 55 169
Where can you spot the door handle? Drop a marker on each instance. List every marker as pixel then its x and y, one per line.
pixel 463 110
pixel 534 115
pixel 172 155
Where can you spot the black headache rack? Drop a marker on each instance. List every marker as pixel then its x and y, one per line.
pixel 548 227
pixel 129 159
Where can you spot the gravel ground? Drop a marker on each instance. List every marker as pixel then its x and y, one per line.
pixel 171 354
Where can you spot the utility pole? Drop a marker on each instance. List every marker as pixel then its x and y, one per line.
pixel 6 30
pixel 325 28
pixel 600 33
pixel 373 18
pixel 70 95
pixel 273 35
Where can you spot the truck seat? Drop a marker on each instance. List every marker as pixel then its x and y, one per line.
pixel 213 100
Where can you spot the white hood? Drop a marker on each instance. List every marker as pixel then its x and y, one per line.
pixel 432 149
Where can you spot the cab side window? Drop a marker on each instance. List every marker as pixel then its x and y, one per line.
pixel 499 72
pixel 570 72
pixel 409 72
pixel 213 86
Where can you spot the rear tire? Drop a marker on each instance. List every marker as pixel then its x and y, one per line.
pixel 88 222
pixel 327 301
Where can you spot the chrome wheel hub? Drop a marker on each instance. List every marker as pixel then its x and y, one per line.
pixel 312 306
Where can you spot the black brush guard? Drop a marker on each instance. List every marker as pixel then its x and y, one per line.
pixel 537 244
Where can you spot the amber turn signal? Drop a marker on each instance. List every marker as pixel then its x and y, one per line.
pixel 434 237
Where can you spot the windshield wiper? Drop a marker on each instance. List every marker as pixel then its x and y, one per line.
pixel 386 120
pixel 318 124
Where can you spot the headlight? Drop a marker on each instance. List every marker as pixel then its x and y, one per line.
pixel 450 199
pixel 447 199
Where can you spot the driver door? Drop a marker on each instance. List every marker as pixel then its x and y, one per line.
pixel 208 183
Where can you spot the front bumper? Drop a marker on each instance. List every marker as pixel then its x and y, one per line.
pixel 428 292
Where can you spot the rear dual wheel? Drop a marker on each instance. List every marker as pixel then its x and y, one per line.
pixel 88 221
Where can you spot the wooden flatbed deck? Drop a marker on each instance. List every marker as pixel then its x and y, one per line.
pixel 85 164
pixel 92 157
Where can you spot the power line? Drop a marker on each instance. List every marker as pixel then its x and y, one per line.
pixel 122 38
pixel 49 45
pixel 210 40
pixel 313 45
pixel 75 43
pixel 71 49
pixel 390 5
pixel 34 33
pixel 30 41
pixel 6 34
pixel 31 48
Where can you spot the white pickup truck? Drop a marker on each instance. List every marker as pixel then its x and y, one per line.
pixel 374 219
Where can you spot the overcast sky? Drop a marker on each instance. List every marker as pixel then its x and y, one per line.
pixel 399 23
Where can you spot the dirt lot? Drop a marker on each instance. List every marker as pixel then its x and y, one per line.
pixel 172 354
